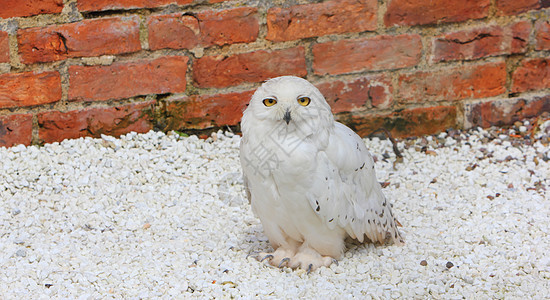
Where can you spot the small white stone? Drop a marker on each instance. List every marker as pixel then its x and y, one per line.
pixel 21 253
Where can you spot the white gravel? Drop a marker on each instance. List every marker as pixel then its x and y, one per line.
pixel 154 215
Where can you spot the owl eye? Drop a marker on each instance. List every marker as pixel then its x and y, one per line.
pixel 269 102
pixel 304 101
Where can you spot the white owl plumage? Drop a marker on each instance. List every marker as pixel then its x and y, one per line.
pixel 309 179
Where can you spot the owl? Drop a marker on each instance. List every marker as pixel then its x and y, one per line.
pixel 310 180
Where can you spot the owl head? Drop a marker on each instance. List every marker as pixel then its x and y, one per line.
pixel 291 101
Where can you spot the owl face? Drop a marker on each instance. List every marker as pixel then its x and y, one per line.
pixel 289 100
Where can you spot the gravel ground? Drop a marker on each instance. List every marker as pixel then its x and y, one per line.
pixel 155 215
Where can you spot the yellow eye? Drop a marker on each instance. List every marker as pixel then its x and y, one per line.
pixel 304 101
pixel 269 102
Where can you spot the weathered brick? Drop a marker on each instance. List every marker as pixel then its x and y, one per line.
pixel 55 126
pixel 223 71
pixel 58 42
pixel 205 111
pixel 99 5
pixel 379 53
pixel 239 25
pixel 482 42
pixel 177 31
pixel 457 83
pixel 123 80
pixel 25 8
pixel 346 96
pixel 407 122
pixel 513 7
pixel 15 130
pixel 542 35
pixel 318 19
pixel 30 88
pixel 504 111
pixel 532 74
pixel 4 47
pixel 407 12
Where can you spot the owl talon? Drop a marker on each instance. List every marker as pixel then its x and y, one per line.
pixel 283 261
pixel 309 268
pixel 269 256
pixel 334 261
pixel 252 253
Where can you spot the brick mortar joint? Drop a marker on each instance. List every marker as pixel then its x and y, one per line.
pixel 15 61
pixel 143 33
pixel 492 9
pixel 512 63
pixel 371 112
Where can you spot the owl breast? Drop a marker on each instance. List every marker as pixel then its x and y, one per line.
pixel 280 178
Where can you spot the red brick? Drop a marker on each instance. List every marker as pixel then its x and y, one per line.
pixel 55 126
pixel 513 7
pixel 463 82
pixel 408 12
pixel 25 8
pixel 223 71
pixel 205 111
pixel 177 31
pixel 58 42
pixel 505 111
pixel 30 88
pixel 318 19
pixel 482 42
pixel 123 80
pixel 15 130
pixel 4 47
pixel 542 35
pixel 346 96
pixel 532 74
pixel 378 53
pixel 99 5
pixel 406 123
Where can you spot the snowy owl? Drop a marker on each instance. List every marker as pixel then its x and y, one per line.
pixel 310 179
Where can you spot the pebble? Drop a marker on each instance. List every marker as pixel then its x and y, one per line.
pixel 165 216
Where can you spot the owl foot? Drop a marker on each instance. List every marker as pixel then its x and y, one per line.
pixel 309 260
pixel 306 259
pixel 278 258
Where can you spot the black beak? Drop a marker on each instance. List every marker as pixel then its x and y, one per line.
pixel 287 117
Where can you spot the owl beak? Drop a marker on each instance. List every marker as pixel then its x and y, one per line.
pixel 287 117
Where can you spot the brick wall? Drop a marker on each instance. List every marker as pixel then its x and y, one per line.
pixel 73 68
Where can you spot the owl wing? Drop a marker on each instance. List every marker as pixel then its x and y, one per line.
pixel 346 193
